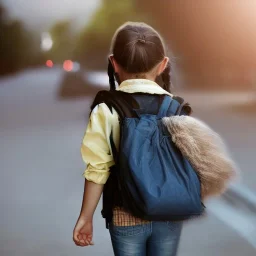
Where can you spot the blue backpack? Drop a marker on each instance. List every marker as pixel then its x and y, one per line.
pixel 154 180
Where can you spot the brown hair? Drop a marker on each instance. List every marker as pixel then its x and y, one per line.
pixel 138 48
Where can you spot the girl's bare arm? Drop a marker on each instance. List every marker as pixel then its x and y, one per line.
pixel 92 194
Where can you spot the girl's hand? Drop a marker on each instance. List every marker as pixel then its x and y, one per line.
pixel 83 232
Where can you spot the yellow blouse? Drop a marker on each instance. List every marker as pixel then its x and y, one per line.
pixel 96 150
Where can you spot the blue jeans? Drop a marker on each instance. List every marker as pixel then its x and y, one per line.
pixel 153 239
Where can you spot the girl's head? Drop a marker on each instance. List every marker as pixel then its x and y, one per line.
pixel 138 51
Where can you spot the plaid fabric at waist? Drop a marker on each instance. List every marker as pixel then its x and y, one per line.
pixel 124 218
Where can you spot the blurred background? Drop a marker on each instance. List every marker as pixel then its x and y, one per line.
pixel 53 59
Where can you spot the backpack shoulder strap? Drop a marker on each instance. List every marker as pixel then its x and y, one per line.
pixel 184 108
pixel 117 100
pixel 174 106
pixel 124 105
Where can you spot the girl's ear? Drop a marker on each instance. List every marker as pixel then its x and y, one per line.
pixel 114 64
pixel 162 66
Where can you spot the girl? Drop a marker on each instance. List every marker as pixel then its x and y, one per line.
pixel 138 59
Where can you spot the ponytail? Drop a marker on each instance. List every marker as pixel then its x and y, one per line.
pixel 111 76
pixel 166 78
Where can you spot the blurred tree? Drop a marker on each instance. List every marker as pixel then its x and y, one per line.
pixel 63 41
pixel 94 40
pixel 16 47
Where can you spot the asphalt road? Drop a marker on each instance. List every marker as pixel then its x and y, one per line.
pixel 41 181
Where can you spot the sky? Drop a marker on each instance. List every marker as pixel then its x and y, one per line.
pixel 39 14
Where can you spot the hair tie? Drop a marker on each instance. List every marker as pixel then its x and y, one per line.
pixel 142 41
